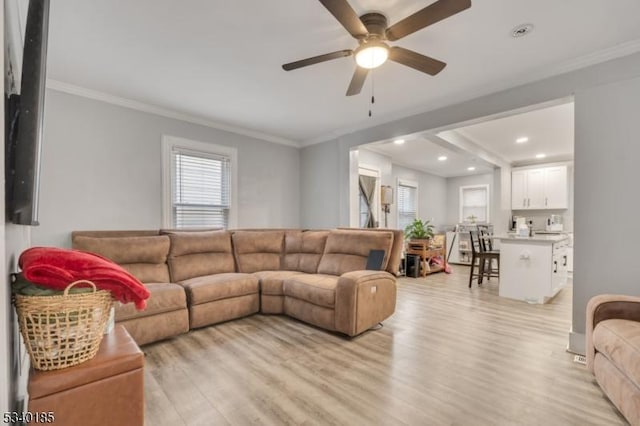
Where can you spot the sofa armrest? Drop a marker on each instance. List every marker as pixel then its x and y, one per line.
pixel 363 299
pixel 604 307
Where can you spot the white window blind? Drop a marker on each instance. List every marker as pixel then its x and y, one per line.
pixel 200 189
pixel 474 204
pixel 407 205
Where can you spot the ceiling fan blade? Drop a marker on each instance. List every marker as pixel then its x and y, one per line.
pixel 415 60
pixel 345 14
pixel 359 76
pixel 431 14
pixel 317 59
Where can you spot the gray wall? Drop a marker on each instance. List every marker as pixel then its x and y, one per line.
pixel 453 194
pixel 17 238
pixel 101 169
pixel 501 207
pixel 606 193
pixel 431 188
pixel 603 154
pixel 432 194
pixel 319 179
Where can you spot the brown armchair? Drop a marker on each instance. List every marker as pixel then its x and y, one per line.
pixel 613 350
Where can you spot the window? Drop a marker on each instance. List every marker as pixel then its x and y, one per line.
pixel 407 203
pixel 198 184
pixel 474 203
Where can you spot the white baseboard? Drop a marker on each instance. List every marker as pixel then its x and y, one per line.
pixel 577 343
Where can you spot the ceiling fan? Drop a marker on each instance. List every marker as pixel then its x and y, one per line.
pixel 371 31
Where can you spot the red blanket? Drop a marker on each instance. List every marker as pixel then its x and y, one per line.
pixel 56 268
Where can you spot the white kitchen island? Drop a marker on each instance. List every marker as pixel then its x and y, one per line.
pixel 532 269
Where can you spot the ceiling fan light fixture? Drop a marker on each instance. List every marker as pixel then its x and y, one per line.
pixel 372 55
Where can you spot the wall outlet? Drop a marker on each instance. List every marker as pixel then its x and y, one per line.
pixel 580 359
pixel 374 289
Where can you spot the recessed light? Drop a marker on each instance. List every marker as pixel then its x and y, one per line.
pixel 399 141
pixel 442 158
pixel 541 155
pixel 523 139
pixel 471 168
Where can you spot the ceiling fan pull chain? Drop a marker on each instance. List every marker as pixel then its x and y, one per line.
pixel 373 98
pixel 373 87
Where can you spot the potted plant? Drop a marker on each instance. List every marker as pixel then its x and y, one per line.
pixel 419 230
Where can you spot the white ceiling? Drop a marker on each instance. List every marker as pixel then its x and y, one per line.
pixel 221 60
pixel 419 153
pixel 550 132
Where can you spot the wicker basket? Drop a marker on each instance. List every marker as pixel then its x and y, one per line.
pixel 66 330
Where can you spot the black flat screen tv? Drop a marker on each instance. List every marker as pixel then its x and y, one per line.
pixel 24 121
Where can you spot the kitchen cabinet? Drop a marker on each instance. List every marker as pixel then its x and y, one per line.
pixel 570 253
pixel 556 188
pixel 519 190
pixel 570 259
pixel 539 188
pixel 533 269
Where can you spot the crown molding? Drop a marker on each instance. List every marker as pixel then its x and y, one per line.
pixel 618 51
pixel 614 52
pixel 72 89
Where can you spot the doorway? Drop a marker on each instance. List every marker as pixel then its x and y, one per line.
pixel 368 196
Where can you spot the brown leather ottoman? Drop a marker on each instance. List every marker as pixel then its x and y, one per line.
pixel 106 390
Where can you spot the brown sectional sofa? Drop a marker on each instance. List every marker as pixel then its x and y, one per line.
pixel 613 350
pixel 199 278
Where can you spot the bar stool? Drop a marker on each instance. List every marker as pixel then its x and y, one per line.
pixel 486 241
pixel 480 254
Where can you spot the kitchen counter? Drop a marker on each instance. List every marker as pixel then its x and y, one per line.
pixel 533 269
pixel 544 238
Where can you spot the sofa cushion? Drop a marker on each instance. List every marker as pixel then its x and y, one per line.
pixel 271 282
pixel 165 297
pixel 318 289
pixel 149 272
pixel 393 266
pixel 196 254
pixel 347 251
pixel 319 316
pixel 258 250
pixel 303 250
pixel 210 288
pixel 116 233
pixel 619 341
pixel 144 257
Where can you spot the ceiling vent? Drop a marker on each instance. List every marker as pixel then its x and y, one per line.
pixel 521 30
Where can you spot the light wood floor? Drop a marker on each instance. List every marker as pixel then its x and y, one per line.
pixel 448 356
